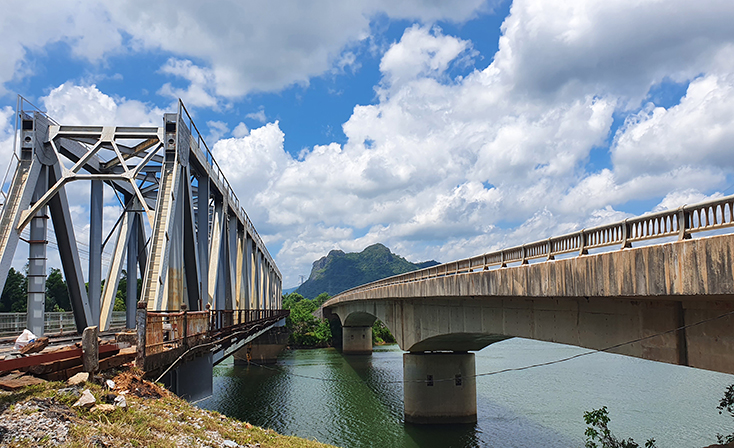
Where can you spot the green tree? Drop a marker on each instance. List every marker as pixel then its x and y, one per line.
pixel 726 404
pixel 599 431
pixel 321 299
pixel 57 292
pixel 121 295
pixel 381 334
pixel 306 330
pixel 15 293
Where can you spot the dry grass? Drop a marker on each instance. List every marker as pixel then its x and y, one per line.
pixel 167 421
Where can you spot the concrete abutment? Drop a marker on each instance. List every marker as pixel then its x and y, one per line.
pixel 439 388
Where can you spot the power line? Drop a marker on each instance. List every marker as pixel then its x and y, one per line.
pixel 512 369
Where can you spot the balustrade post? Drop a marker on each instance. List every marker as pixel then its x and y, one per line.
pixel 625 234
pixel 683 224
pixel 524 255
pixel 550 249
pixel 582 243
pixel 502 259
pixel 185 310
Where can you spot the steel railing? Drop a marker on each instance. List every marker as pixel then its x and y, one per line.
pixel 167 330
pixel 12 324
pixel 217 171
pixel 680 223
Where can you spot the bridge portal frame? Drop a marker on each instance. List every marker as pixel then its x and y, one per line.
pixel 178 209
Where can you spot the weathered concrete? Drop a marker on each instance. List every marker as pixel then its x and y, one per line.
pixel 357 340
pixel 90 349
pixel 263 350
pixel 593 301
pixel 439 388
pixel 141 319
pixel 191 380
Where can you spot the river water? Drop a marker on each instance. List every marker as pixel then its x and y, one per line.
pixel 357 401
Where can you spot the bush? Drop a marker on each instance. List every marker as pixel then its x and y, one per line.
pixel 726 404
pixel 305 329
pixel 381 334
pixel 598 431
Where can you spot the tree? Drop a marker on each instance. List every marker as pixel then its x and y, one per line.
pixel 306 330
pixel 726 404
pixel 599 432
pixel 121 295
pixel 321 299
pixel 15 293
pixel 381 334
pixel 57 292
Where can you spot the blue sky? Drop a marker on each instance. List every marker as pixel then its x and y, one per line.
pixel 441 129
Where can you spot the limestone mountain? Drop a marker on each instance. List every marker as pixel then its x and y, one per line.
pixel 339 271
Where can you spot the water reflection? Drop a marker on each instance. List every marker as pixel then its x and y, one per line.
pixel 361 402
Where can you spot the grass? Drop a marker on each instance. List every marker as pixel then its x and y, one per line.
pixel 167 421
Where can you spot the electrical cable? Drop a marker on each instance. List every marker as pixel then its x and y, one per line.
pixel 512 369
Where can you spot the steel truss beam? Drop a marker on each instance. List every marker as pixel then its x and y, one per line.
pixel 180 226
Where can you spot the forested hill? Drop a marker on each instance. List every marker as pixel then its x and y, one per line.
pixel 340 271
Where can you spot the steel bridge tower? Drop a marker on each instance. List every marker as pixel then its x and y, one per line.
pixel 181 226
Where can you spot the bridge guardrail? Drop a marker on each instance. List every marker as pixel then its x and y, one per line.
pixel 681 223
pixel 54 322
pixel 232 197
pixel 167 330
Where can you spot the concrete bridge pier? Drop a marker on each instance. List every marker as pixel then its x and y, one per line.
pixel 263 350
pixel 357 340
pixel 439 388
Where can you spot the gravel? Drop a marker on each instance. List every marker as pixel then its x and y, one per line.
pixel 35 420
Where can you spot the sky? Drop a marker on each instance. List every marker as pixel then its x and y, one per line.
pixel 442 129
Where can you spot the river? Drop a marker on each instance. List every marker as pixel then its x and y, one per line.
pixel 358 400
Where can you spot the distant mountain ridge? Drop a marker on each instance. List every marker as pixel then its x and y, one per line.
pixel 339 271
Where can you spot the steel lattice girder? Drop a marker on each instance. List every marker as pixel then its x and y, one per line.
pixel 202 248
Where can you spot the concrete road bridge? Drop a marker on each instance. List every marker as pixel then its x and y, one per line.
pixel 669 299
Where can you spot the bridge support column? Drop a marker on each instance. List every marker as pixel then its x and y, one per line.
pixel 263 350
pixel 439 388
pixel 356 340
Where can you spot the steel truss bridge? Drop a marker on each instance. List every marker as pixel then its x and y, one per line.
pixel 179 224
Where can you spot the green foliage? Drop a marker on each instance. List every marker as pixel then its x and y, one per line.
pixel 598 431
pixel 306 330
pixel 321 298
pixel 15 292
pixel 339 271
pixel 726 404
pixel 381 334
pixel 14 297
pixel 57 293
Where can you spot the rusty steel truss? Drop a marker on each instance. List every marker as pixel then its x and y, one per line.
pixel 181 226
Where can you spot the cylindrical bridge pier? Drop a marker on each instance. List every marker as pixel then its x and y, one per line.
pixel 439 388
pixel 357 340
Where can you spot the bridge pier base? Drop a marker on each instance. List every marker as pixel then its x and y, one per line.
pixel 439 388
pixel 356 340
pixel 263 350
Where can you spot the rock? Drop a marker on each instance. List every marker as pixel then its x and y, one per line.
pixel 70 390
pixel 86 401
pixel 120 401
pixel 110 384
pixel 34 346
pixel 79 378
pixel 230 444
pixel 104 408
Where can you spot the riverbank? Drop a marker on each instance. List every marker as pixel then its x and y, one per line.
pixel 44 415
